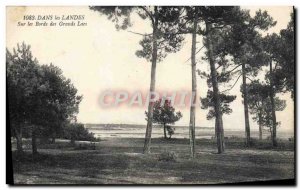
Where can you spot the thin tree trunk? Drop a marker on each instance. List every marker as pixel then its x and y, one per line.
pixel 216 130
pixel 33 142
pixel 246 112
pixel 260 126
pixel 165 131
pixel 274 123
pixel 19 140
pixel 53 138
pixel 72 141
pixel 222 132
pixel 194 92
pixel 216 97
pixel 147 143
pixel 269 125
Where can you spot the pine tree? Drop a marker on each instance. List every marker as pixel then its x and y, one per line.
pixel 164 113
pixel 164 39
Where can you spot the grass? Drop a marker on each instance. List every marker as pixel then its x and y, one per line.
pixel 119 161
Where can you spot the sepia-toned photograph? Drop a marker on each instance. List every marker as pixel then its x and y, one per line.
pixel 150 95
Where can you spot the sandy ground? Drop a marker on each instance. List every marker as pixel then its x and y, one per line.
pixel 120 161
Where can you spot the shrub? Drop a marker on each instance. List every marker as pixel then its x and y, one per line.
pixel 167 156
pixel 90 146
pixel 77 132
pixel 233 137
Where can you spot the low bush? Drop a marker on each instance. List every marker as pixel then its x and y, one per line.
pixel 77 132
pixel 85 146
pixel 167 156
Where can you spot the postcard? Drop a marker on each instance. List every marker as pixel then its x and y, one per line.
pixel 150 95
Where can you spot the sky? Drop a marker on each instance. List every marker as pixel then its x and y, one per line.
pixel 97 58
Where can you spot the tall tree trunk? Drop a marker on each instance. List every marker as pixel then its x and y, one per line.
pixel 271 133
pixel 246 112
pixel 194 92
pixel 53 140
pixel 147 143
pixel 222 132
pixel 216 130
pixel 18 134
pixel 33 141
pixel 269 124
pixel 165 131
pixel 274 123
pixel 216 97
pixel 72 141
pixel 260 125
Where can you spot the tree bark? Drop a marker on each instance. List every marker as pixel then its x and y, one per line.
pixel 33 142
pixel 269 125
pixel 260 125
pixel 216 97
pixel 271 133
pixel 274 123
pixel 246 112
pixel 215 130
pixel 53 138
pixel 147 142
pixel 222 132
pixel 72 141
pixel 19 140
pixel 165 131
pixel 194 92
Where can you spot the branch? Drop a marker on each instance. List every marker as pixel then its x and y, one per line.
pixel 232 85
pixel 219 67
pixel 218 27
pixel 249 79
pixel 182 11
pixel 195 54
pixel 139 33
pixel 181 29
pixel 233 69
pixel 162 47
pixel 214 28
pixel 160 42
pixel 148 13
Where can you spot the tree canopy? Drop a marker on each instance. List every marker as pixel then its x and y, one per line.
pixel 164 113
pixel 40 97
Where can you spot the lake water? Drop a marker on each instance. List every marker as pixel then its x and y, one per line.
pixel 138 131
